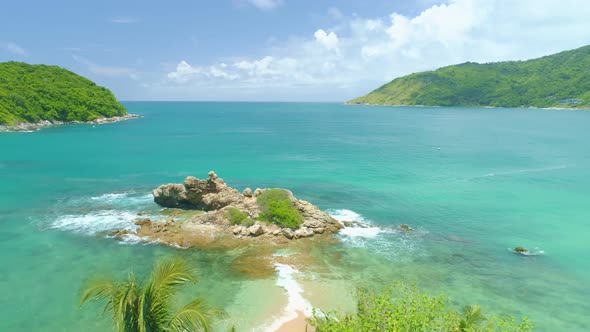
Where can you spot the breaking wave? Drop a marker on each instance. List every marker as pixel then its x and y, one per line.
pixel 102 213
pixel 387 241
pixel 95 222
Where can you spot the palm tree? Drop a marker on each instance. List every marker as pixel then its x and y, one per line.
pixel 146 307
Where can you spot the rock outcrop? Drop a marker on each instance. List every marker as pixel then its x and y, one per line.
pixel 210 194
pixel 218 200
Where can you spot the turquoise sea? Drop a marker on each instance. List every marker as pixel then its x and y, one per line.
pixel 471 182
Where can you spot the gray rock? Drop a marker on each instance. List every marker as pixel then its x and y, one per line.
pixel 312 223
pixel 303 232
pixel 288 233
pixel 319 230
pixel 247 192
pixel 170 195
pixel 238 229
pixel 405 227
pixel 210 194
pixel 255 230
pixel 313 217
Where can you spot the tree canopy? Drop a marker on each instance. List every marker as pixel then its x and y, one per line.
pixel 559 80
pixel 34 93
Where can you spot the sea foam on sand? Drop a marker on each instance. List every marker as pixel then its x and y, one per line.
pixel 296 303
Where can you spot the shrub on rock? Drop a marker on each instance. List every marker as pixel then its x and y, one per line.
pixel 277 207
pixel 238 217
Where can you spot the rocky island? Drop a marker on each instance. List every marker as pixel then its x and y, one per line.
pixel 222 217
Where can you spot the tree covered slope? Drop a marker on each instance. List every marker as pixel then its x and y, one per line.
pixel 33 93
pixel 559 80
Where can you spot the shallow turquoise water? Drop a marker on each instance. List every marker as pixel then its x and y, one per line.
pixel 473 182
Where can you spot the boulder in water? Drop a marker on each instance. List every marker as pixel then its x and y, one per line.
pixel 405 227
pixel 524 251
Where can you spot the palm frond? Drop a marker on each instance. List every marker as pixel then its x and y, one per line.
pixel 138 307
pixel 170 273
pixel 195 316
pixel 98 289
pixel 472 318
pixel 125 305
pixel 154 313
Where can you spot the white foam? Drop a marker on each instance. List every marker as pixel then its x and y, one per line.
pixel 361 231
pixel 130 239
pixel 96 222
pixel 109 197
pixel 389 242
pixel 345 215
pixel 521 171
pixel 296 303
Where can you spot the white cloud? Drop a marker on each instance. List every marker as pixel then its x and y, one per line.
pixel 328 40
pixel 110 71
pixel 15 49
pixel 124 20
pixel 185 72
pixel 266 4
pixel 359 54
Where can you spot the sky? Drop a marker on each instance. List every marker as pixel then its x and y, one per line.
pixel 279 50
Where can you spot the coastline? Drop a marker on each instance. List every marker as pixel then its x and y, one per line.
pixel 554 108
pixel 30 127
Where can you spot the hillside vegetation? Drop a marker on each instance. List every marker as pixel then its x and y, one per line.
pixel 559 80
pixel 34 93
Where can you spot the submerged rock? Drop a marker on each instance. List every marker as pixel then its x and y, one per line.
pixel 520 250
pixel 405 227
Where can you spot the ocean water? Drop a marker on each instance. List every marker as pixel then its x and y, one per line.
pixel 470 182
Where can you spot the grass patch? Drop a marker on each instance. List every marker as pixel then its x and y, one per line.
pixel 277 208
pixel 238 217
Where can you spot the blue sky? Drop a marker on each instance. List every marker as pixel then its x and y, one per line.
pixel 278 49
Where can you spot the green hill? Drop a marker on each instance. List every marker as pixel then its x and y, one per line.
pixel 34 93
pixel 559 80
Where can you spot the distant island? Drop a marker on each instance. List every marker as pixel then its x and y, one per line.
pixel 33 96
pixel 556 81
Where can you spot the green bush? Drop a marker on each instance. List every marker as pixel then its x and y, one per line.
pixel 403 308
pixel 277 208
pixel 237 217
